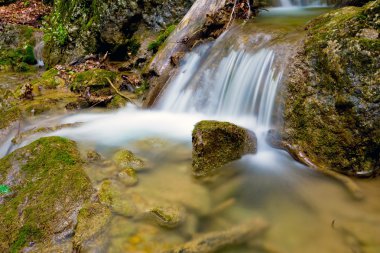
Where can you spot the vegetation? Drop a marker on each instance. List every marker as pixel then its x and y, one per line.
pixel 155 45
pixel 50 173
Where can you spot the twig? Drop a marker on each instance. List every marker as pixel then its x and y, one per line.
pixel 232 14
pixel 249 10
pixel 223 206
pixel 119 93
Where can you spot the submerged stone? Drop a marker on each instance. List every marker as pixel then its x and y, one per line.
pixel 126 159
pixel 170 216
pixel 128 177
pixel 49 187
pixel 218 143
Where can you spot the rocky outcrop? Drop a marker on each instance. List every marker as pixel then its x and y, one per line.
pixel 218 143
pixel 16 47
pixel 77 28
pixel 48 187
pixel 332 110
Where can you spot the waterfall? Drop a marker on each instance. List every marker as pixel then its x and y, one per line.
pixel 241 85
pixel 302 3
pixel 38 49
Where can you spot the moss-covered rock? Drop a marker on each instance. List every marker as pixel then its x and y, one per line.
pixel 92 220
pixel 48 187
pixel 16 47
pixel 125 159
pixel 95 79
pixel 217 143
pixel 128 177
pixel 77 28
pixel 49 80
pixel 332 107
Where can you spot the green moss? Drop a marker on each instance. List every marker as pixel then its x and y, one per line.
pixel 16 48
pixel 49 173
pixel 92 219
pixel 9 116
pixel 49 80
pixel 217 143
pixel 26 234
pixel 155 45
pixel 117 102
pixel 327 112
pixel 95 79
pixel 143 88
pixel 125 159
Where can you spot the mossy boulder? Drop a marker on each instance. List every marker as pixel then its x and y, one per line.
pixel 16 47
pixel 48 187
pixel 77 28
pixel 94 79
pixel 218 143
pixel 125 159
pixel 332 104
pixel 49 80
pixel 92 221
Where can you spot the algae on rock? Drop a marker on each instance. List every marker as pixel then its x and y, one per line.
pixel 332 109
pixel 218 143
pixel 48 187
pixel 77 28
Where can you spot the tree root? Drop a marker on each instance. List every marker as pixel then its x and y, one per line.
pixel 301 157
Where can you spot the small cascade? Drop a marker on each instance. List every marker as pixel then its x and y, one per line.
pixel 38 49
pixel 302 3
pixel 242 85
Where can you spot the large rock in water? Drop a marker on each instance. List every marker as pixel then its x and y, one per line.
pixel 332 111
pixel 47 188
pixel 218 143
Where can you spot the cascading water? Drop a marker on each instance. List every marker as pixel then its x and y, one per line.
pixel 243 84
pixel 38 49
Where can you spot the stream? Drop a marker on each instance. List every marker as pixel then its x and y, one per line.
pixel 238 78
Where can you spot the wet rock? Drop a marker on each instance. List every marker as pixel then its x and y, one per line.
pixel 16 47
pixel 92 220
pixel 130 236
pixel 49 80
pixel 115 196
pixel 214 241
pixel 273 138
pixel 49 187
pixel 332 107
pixel 167 216
pixel 125 159
pixel 94 79
pixel 218 143
pixel 93 156
pixel 128 177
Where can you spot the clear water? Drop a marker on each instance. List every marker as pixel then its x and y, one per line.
pixel 234 79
